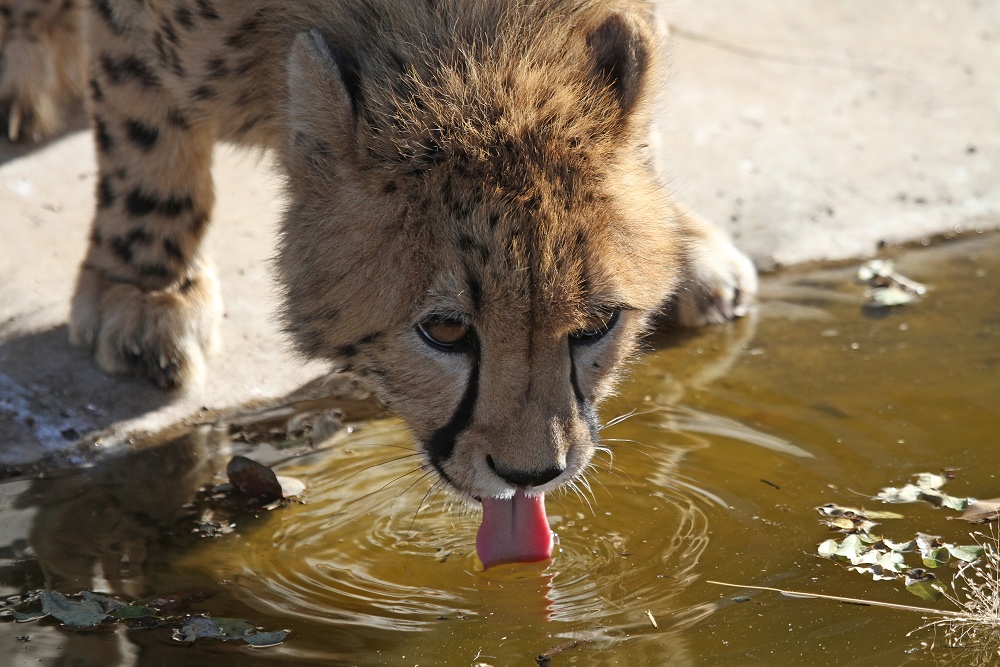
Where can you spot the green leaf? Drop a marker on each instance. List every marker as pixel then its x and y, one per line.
pixel 925 589
pixel 937 557
pixel 261 639
pixel 951 502
pixel 82 614
pixel 234 628
pixel 134 611
pixel 968 553
pixel 24 617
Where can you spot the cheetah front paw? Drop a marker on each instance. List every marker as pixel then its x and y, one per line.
pixel 160 334
pixel 720 284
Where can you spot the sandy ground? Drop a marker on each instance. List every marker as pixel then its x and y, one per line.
pixel 810 129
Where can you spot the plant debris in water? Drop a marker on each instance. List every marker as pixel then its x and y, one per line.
pixel 252 487
pixel 974 627
pixel 886 288
pixel 90 610
pixel 975 590
pixel 870 553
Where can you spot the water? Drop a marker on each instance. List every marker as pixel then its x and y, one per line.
pixel 734 435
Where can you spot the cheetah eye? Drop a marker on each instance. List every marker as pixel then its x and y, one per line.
pixel 444 333
pixel 597 328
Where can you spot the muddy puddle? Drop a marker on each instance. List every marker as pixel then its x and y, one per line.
pixel 735 435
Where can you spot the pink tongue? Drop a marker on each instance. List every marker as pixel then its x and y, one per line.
pixel 514 531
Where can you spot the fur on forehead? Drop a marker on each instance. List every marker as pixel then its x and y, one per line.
pixel 508 77
pixel 497 162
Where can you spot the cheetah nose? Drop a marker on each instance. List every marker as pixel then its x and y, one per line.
pixel 524 478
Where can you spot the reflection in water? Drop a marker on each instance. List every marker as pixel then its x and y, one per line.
pixel 728 438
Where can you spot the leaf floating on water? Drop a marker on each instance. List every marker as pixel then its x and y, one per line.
pixel 927 487
pixel 907 494
pixel 254 479
pixel 938 557
pixel 981 511
pixel 24 617
pixel 107 603
pixel 133 611
pixel 262 639
pixel 197 627
pixel 966 553
pixel 923 584
pixel 234 628
pixel 828 548
pixel 291 487
pixel 889 296
pixel 886 288
pixel 76 613
pixel 832 509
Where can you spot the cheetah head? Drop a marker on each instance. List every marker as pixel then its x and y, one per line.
pixel 473 227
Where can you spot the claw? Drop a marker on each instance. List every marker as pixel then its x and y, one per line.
pixel 14 122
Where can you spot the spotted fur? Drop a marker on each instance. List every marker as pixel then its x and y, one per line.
pixel 477 162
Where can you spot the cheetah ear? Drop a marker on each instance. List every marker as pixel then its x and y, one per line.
pixel 324 89
pixel 621 54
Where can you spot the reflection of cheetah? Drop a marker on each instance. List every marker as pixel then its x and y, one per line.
pixel 471 220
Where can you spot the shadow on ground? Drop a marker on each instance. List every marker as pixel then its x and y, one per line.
pixel 52 393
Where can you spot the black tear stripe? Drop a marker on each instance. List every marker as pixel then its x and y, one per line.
pixel 441 444
pixel 585 407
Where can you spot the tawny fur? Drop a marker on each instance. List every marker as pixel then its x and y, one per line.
pixel 480 161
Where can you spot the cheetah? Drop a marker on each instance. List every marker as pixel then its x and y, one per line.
pixel 472 221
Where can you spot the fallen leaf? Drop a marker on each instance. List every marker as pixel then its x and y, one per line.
pixel 24 617
pixel 938 557
pixel 262 639
pixel 108 604
pixel 967 553
pixel 79 614
pixel 134 611
pixel 197 627
pixel 923 584
pixel 981 511
pixel 291 487
pixel 234 628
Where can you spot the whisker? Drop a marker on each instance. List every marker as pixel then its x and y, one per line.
pixel 428 471
pixel 420 505
pixel 348 504
pixel 634 412
pixel 576 489
pixel 379 464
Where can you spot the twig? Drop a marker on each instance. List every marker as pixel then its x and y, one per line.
pixel 545 659
pixel 837 598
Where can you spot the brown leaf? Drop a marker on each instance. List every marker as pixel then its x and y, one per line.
pixel 982 511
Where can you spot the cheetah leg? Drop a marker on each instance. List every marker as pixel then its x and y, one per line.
pixel 42 66
pixel 145 303
pixel 720 282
